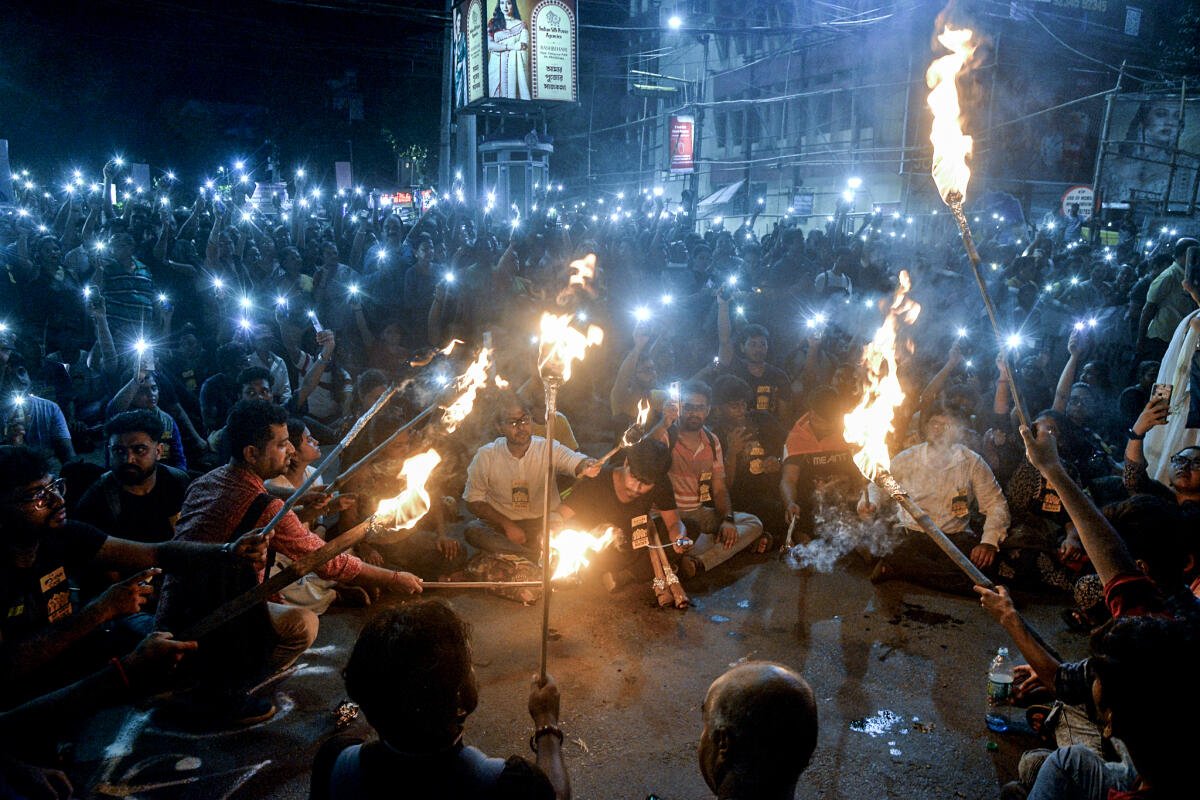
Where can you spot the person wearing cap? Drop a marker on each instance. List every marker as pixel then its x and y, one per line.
pixel 1166 304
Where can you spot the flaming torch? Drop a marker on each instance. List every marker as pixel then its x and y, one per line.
pixel 394 515
pixel 633 434
pixel 869 424
pixel 950 171
pixel 560 345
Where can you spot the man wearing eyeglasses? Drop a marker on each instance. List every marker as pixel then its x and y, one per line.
pixel 697 476
pixel 506 482
pixel 139 497
pixel 42 632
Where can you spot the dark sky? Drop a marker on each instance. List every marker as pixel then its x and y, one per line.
pixel 190 84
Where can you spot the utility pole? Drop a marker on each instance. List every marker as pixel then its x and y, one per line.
pixel 447 102
pixel 1097 195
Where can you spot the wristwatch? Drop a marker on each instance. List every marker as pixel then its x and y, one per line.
pixel 1134 435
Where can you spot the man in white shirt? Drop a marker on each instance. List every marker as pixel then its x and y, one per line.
pixel 506 483
pixel 945 478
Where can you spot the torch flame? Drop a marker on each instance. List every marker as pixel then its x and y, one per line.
pixel 643 412
pixel 950 145
pixel 469 384
pixel 406 508
pixel 582 271
pixel 448 349
pixel 561 344
pixel 573 549
pixel 868 425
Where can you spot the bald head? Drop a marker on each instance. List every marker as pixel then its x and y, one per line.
pixel 760 729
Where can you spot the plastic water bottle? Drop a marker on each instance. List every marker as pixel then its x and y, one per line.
pixel 998 714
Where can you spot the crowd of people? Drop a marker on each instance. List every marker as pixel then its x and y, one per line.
pixel 172 365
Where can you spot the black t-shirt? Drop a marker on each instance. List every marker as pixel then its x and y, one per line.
pixel 40 595
pixel 770 389
pixel 595 503
pixel 764 440
pixel 146 518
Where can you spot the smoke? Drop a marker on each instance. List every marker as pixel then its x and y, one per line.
pixel 837 531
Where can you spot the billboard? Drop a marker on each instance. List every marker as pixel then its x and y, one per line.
pixel 682 132
pixel 1148 135
pixel 467 42
pixel 515 50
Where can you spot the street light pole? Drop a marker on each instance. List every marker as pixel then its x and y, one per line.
pixel 698 109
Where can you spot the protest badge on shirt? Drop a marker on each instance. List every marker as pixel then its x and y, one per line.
pixel 763 400
pixel 705 487
pixel 520 496
pixel 959 506
pixel 1051 502
pixel 756 458
pixel 641 531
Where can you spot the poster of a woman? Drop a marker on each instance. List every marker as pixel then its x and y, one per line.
pixel 508 52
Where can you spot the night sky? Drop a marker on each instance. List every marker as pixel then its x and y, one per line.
pixel 191 85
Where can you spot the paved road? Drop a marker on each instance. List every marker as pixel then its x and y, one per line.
pixel 898 672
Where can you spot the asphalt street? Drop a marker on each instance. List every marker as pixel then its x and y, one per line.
pixel 899 673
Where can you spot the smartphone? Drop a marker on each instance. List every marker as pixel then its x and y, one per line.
pixel 1161 391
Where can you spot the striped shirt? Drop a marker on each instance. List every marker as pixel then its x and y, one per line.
pixel 129 295
pixel 692 471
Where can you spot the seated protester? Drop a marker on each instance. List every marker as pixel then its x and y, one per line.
pixel 411 673
pixel 311 591
pixel 635 381
pixel 697 475
pixel 220 504
pixel 1043 547
pixel 28 420
pixel 140 497
pixel 142 391
pixel 772 387
pixel 760 730
pixel 221 391
pixel 261 356
pixel 944 478
pixel 1142 663
pixel 752 442
pixel 254 383
pixel 816 459
pixel 624 498
pixel 506 483
pixel 42 633
pixel 1185 464
pixel 1134 398
pixel 1142 667
pixel 533 394
pixel 326 390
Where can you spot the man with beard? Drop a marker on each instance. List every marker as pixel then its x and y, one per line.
pixel 506 481
pixel 139 498
pixel 217 507
pixel 753 443
pixel 697 477
pixel 41 630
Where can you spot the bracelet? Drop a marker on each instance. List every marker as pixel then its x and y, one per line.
pixel 116 662
pixel 1133 435
pixel 728 518
pixel 542 731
